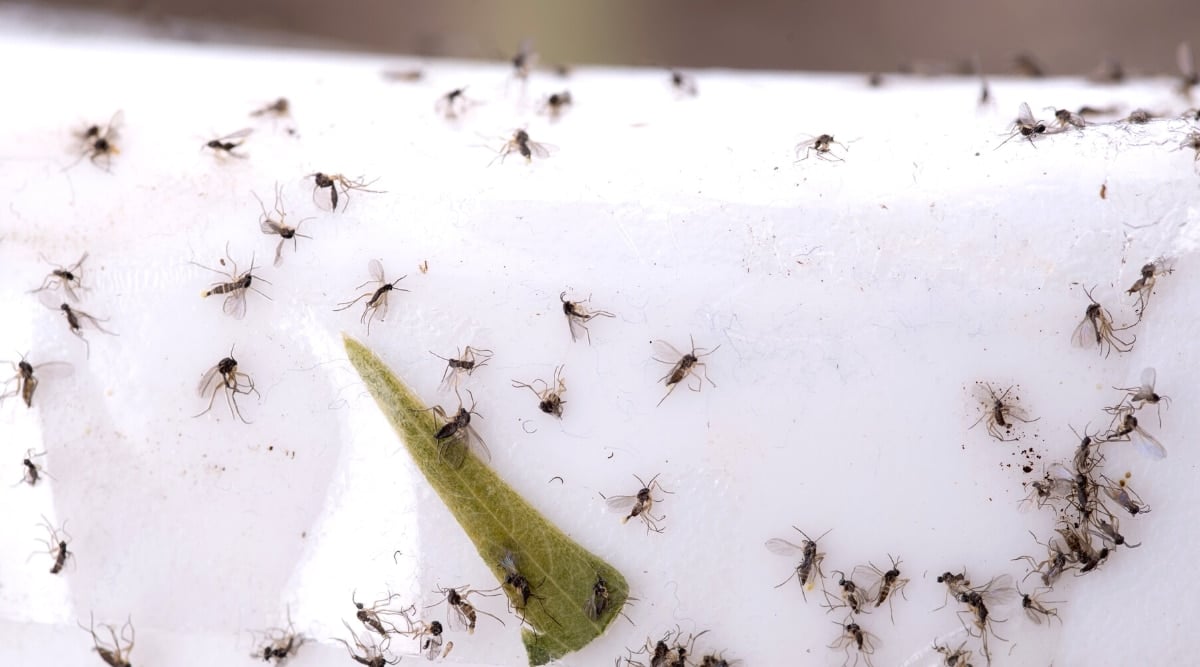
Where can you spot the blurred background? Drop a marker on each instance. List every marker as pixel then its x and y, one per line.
pixel 926 36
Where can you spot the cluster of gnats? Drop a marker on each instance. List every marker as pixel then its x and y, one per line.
pixel 673 650
pixel 859 591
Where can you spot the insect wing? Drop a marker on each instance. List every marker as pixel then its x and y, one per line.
pixel 375 268
pixel 783 548
pixel 1148 445
pixel 207 380
pixel 1085 334
pixel 456 618
pixel 541 150
pixel 240 134
pixel 50 301
pixel 235 304
pixel 1148 378
pixel 1025 115
pixel 620 504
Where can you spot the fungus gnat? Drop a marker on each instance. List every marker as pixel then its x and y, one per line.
pixel 235 288
pixel 521 143
pixel 460 613
pixel 998 412
pixel 377 300
pixel 1140 397
pixel 456 433
pixel 1035 608
pixel 280 644
pixel 822 145
pixel 99 143
pixel 225 375
pixel 332 181
pixel 684 366
pixel 1096 328
pixel 430 640
pixel 464 363
pixel 515 580
pixel 1065 119
pixel 850 594
pixel 77 320
pixel 1139 117
pixel 1110 532
pixel 1025 126
pixel 31 472
pixel 639 505
pixel 279 108
pixel 56 545
pixel 556 104
pixel 854 638
pixel 453 104
pixel 1125 428
pixel 888 585
pixel 979 601
pixel 808 570
pixel 683 84
pixel 524 60
pixel 596 603
pixel 117 653
pixel 372 617
pixel 1125 497
pixel 68 278
pixel 278 227
pixel 578 315
pixel 550 399
pixel 959 657
pixel 27 378
pixel 371 655
pixel 1143 287
pixel 227 144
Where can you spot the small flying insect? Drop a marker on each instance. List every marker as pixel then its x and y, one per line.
pixel 371 655
pixel 822 145
pixel 99 143
pixel 958 657
pixel 683 84
pixel 279 108
pixel 56 546
pixel 639 505
pixel 278 227
pixel 1139 117
pixel 524 61
pixel 597 602
pixel 578 315
pixel 1087 454
pixel 854 637
pixel 69 278
pixel 235 288
pixel 1025 126
pixel 1079 546
pixel 550 399
pixel 1188 76
pixel 1065 119
pixel 461 614
pixel 454 104
pixel 429 636
pixel 998 411
pixel 1144 285
pixel 685 366
pixel 520 585
pixel 226 145
pixel 77 320
pixel 332 181
pixel 1096 328
pixel 556 104
pixel 373 617
pixel 1125 497
pixel 225 375
pixel 280 644
pixel 979 601
pixel 521 143
pixel 1140 397
pixel 1111 532
pixel 117 653
pixel 1050 569
pixel 890 582
pixel 1035 608
pixel 715 660
pixel 32 472
pixel 808 570
pixel 377 300
pixel 27 381
pixel 852 595
pixel 456 433
pixel 464 363
pixel 1126 429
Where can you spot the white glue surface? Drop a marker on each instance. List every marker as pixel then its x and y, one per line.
pixel 856 305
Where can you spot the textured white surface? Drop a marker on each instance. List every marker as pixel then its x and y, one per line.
pixel 856 304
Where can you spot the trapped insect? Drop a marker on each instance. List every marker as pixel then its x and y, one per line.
pixel 999 410
pixel 683 84
pixel 597 602
pixel 851 594
pixel 1096 328
pixel 520 585
pixel 56 546
pixel 373 617
pixel 1144 285
pixel 1110 531
pixel 374 654
pixel 280 644
pixel 279 108
pixel 456 433
pixel 1036 609
pixel 332 181
pixel 685 366
pixel 1079 547
pixel 31 473
pixel 959 657
pixel 1125 497
pixel 117 653
pixel 26 376
pixel 99 143
pixel 579 314
pixel 640 504
pixel 854 638
pixel 235 288
pixel 1192 141
pixel 890 583
pixel 1025 125
pixel 68 278
pixel 1057 561
pixel 822 145
pixel 521 143
pixel 524 60
pixel 1139 117
pixel 808 570
pixel 464 363
pixel 225 375
pixel 550 399
pixel 453 104
pixel 226 145
pixel 1065 119
pixel 77 321
pixel 272 226
pixel 1140 397
pixel 979 601
pixel 429 637
pixel 1126 429
pixel 460 613
pixel 377 300
pixel 556 104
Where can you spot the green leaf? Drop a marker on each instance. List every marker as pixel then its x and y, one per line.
pixel 499 521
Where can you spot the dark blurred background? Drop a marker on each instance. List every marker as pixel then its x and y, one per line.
pixel 1065 36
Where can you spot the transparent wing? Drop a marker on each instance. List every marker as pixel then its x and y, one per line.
pixel 49 300
pixel 783 548
pixel 1085 334
pixel 1025 115
pixel 240 134
pixel 1148 378
pixel 457 620
pixel 53 370
pixel 235 304
pixel 620 504
pixel 375 268
pixel 206 381
pixel 999 591
pixel 270 227
pixel 279 252
pixel 541 150
pixel 114 127
pixel 1148 445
